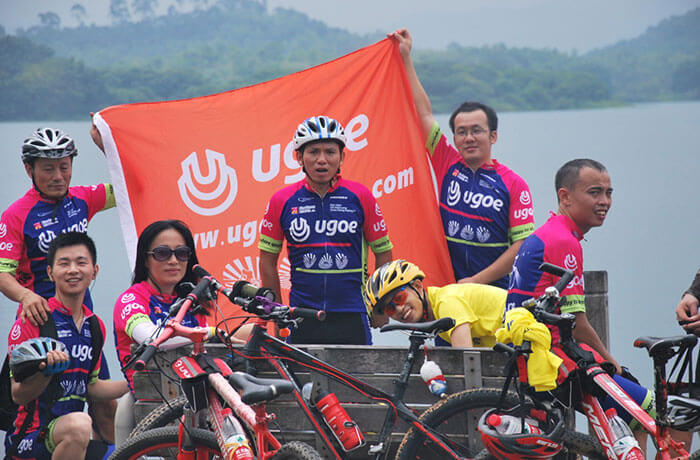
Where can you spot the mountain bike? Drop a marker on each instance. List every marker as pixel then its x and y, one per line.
pixel 588 380
pixel 239 430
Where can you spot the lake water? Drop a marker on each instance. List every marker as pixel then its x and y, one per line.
pixel 648 244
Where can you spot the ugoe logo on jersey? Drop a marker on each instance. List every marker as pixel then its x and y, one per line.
pixel 525 198
pixel 471 199
pixel 81 352
pixel 570 263
pixel 209 203
pixel 128 297
pixel 300 230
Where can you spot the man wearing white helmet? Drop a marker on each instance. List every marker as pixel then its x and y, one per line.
pixel 328 222
pixel 28 226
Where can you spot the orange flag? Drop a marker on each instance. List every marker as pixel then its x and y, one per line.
pixel 215 161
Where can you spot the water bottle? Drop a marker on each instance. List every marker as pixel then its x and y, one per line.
pixel 346 431
pixel 624 444
pixel 508 424
pixel 431 374
pixel 235 437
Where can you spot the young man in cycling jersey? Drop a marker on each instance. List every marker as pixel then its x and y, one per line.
pixel 28 226
pixel 61 430
pixel 486 208
pixel 397 290
pixel 584 194
pixel 328 221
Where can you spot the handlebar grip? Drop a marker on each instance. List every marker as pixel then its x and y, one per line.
pixel 565 275
pixel 299 312
pixel 148 352
pixel 503 348
pixel 245 289
pixel 200 288
pixel 199 271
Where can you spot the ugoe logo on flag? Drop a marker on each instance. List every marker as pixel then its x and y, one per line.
pixel 190 184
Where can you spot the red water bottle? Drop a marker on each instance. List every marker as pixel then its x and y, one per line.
pixel 346 431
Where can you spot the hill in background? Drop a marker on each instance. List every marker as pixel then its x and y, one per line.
pixel 66 73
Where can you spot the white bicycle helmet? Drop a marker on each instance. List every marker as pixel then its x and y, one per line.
pixel 684 413
pixel 317 129
pixel 48 143
pixel 26 357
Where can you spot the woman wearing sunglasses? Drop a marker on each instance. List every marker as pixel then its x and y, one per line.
pixel 396 289
pixel 164 258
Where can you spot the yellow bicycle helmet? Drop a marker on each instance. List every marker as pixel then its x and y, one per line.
pixel 386 280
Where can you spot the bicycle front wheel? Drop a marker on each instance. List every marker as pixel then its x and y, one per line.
pixel 162 444
pixel 168 413
pixel 456 419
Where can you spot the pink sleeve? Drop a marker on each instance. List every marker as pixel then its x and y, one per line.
pixel 128 305
pixel 94 195
pixel 521 210
pixel 375 225
pixel 11 238
pixel 569 256
pixel 19 333
pixel 271 225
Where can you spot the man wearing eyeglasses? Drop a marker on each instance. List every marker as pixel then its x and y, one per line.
pixel 486 208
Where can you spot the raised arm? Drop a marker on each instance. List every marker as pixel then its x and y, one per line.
pixel 420 97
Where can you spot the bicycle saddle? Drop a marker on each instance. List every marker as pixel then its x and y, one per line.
pixel 659 344
pixel 431 327
pixel 254 390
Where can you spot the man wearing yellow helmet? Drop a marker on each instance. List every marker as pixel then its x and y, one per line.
pixel 397 290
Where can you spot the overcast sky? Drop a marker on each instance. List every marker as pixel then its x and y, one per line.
pixel 568 25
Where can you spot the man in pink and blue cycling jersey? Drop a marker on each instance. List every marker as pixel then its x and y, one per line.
pixel 584 193
pixel 486 208
pixel 28 226
pixel 328 222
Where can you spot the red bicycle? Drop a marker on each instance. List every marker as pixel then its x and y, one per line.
pixel 237 420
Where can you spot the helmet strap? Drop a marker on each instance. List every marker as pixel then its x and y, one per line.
pixel 423 299
pixel 44 195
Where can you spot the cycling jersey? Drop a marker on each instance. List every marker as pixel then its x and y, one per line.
pixel 73 383
pixel 556 242
pixel 327 240
pixel 483 212
pixel 480 305
pixel 142 303
pixel 29 225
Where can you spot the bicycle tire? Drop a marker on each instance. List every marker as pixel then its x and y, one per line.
pixel 456 416
pixel 167 413
pixel 296 450
pixel 162 444
pixel 469 405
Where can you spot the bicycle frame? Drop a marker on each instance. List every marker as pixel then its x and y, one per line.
pixel 261 345
pixel 187 368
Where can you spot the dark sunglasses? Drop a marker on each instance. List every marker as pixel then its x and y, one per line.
pixel 163 253
pixel 399 299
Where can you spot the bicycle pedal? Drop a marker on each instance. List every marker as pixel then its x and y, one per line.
pixel 376 449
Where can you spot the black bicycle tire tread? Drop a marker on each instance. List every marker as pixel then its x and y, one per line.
pixel 432 415
pixel 162 435
pixel 160 416
pixel 296 450
pixel 574 441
